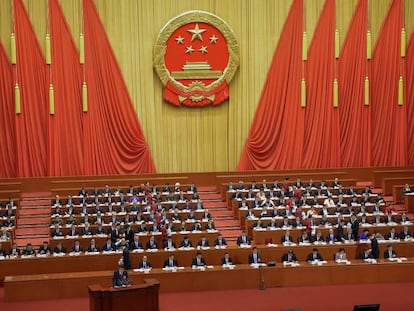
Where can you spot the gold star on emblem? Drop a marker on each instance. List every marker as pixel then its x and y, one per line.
pixel 203 49
pixel 180 40
pixel 213 39
pixel 189 49
pixel 196 32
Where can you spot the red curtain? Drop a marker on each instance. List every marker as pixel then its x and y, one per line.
pixel 31 124
pixel 355 139
pixel 409 88
pixel 388 124
pixel 7 122
pixel 321 139
pixel 113 139
pixel 65 126
pixel 276 136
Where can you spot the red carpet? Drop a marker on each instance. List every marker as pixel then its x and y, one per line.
pixel 392 297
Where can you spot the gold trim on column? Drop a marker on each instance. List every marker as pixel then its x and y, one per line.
pixel 51 100
pixel 17 98
pixel 303 93
pixel 366 91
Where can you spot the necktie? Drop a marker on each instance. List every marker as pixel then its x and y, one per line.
pixel 171 263
pixel 198 261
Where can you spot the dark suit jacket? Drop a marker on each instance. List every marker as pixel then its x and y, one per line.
pixel 229 261
pixel 251 258
pixel 129 236
pixel 285 239
pixel 202 262
pixel 206 243
pixel 285 257
pixel 61 250
pixel 141 265
pixel 107 248
pixel 95 248
pixel 120 279
pixel 154 246
pixel 365 256
pixel 240 240
pixel 387 254
pixel 167 263
pixel 136 246
pixel 217 242
pixel 165 244
pixel 184 244
pixel 311 258
pixel 374 248
pixel 79 250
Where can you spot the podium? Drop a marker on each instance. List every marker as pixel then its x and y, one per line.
pixel 409 202
pixel 142 297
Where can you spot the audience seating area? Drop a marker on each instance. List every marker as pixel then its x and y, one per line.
pixel 268 206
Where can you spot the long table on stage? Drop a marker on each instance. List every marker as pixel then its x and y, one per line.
pixel 409 202
pixel 62 285
pixel 101 262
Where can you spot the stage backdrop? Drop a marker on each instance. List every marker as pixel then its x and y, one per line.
pixel 213 138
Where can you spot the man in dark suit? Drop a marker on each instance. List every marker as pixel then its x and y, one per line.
pixel 243 239
pixel 226 260
pixel 14 250
pixel 108 246
pixel 136 244
pixel 93 248
pixel 152 244
pixel 120 277
pixel 331 237
pixel 220 241
pixel 169 243
pixel 390 252
pixel 186 242
pixel 192 188
pixel 76 247
pixel 354 225
pixel 255 257
pixel 59 248
pixel 45 249
pixel 315 255
pixel 203 242
pixel 405 233
pixel 366 254
pixel 286 238
pixel 392 235
pixel 198 261
pixel 171 262
pixel 144 263
pixel 129 234
pixel 374 246
pixel 289 257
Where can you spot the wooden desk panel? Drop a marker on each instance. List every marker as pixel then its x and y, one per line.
pixel 63 285
pixel 116 299
pixel 83 263
pixel 409 202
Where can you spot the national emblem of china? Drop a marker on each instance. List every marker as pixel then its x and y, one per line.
pixel 196 56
